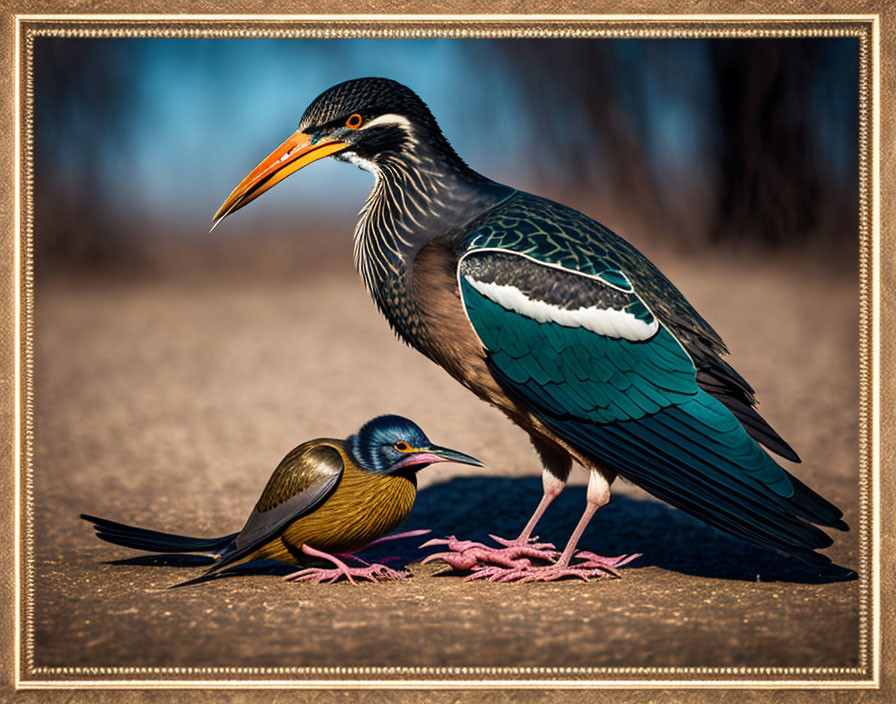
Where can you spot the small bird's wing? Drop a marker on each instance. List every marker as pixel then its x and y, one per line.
pixel 598 367
pixel 301 482
pixel 555 234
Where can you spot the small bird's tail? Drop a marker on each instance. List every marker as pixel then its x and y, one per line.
pixel 154 541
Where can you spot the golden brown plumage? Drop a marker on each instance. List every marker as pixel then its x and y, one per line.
pixel 363 507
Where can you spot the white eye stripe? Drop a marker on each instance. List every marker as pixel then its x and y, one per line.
pixel 389 119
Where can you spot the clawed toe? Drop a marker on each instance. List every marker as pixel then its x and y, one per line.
pixel 501 574
pixel 373 573
pixel 381 572
pixel 317 575
pixel 453 544
pixel 548 573
pixel 554 572
pixel 607 564
pixel 521 561
pixel 468 555
pixel 457 560
pixel 529 543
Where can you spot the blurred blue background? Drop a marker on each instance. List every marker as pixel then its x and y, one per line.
pixel 683 142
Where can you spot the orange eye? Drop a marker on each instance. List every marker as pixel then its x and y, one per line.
pixel 353 122
pixel 402 446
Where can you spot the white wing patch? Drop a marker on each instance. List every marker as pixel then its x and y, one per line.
pixel 604 321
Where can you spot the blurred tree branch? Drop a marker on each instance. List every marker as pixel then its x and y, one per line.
pixel 768 109
pixel 732 141
pixel 74 221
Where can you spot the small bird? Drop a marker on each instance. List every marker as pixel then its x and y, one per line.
pixel 557 321
pixel 325 499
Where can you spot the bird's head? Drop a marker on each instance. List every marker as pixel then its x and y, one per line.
pixel 391 443
pixel 364 121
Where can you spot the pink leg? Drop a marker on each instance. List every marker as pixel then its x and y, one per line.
pixel 557 570
pixel 590 510
pixel 398 536
pixel 374 572
pixel 552 488
pixel 468 555
pixel 385 538
pixel 594 565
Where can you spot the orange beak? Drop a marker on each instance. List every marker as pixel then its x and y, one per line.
pixel 289 157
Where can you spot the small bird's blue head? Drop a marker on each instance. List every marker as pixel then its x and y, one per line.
pixel 389 443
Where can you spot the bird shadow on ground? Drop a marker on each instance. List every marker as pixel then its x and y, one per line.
pixel 473 507
pixel 165 560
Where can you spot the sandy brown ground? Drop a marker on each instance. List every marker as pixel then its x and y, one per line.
pixel 169 404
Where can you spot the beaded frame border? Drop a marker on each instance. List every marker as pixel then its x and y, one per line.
pixel 864 27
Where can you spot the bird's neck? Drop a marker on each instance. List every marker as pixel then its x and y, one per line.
pixel 419 195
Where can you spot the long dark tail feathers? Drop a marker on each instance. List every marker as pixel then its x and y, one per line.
pixel 728 387
pixel 154 541
pixel 739 507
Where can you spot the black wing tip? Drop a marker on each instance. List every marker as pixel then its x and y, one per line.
pixel 816 559
pixel 813 507
pixel 106 524
pixel 840 525
pixel 825 571
pixel 204 577
pixel 782 449
pixel 842 574
pixel 759 429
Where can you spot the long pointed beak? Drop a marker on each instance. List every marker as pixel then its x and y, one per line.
pixel 433 454
pixel 289 157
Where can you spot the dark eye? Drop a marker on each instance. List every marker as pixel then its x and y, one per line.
pixel 353 122
pixel 402 446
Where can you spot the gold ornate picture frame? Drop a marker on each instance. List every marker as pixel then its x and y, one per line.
pixel 18 386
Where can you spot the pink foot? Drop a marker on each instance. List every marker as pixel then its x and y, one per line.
pixel 372 572
pixel 386 538
pixel 399 536
pixel 548 548
pixel 375 573
pixel 554 572
pixel 469 555
pixel 548 573
pixel 513 564
pixel 599 562
pixel 591 566
pixel 494 573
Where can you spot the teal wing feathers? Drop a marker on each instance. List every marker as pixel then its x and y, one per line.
pixel 592 359
pixel 556 235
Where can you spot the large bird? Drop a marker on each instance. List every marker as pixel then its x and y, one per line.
pixel 326 498
pixel 557 321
